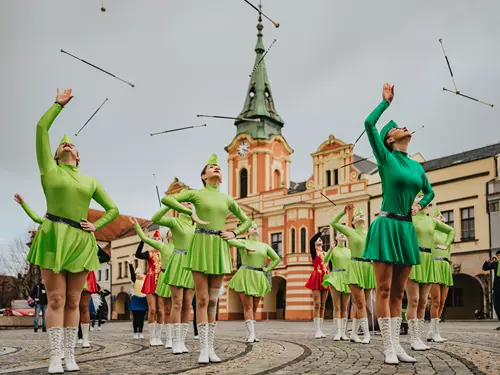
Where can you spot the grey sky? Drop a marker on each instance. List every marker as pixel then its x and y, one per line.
pixel 194 56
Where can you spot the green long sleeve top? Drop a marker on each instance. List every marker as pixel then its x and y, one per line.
pixel 356 236
pixel 182 228
pixel 254 253
pixel 67 191
pixel 426 226
pixel 339 256
pixel 401 177
pixel 166 249
pixel 211 206
pixel 32 214
pixel 442 238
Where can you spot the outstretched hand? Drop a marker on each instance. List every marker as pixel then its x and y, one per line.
pixel 388 92
pixel 227 235
pixel 416 208
pixel 132 220
pixel 64 98
pixel 18 198
pixel 87 225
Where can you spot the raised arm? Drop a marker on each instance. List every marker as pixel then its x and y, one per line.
pixel 274 257
pixel 379 150
pixel 155 244
pixel 132 272
pixel 329 255
pixel 139 254
pixel 160 218
pixel 174 201
pixel 312 244
pixel 451 232
pixel 426 189
pixel 344 229
pixel 238 212
pixel 43 153
pixel 101 197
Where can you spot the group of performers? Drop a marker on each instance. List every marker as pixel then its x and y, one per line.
pixel 403 248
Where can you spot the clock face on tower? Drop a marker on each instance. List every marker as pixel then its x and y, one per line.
pixel 243 149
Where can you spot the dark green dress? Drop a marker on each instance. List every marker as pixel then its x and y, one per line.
pixel 391 240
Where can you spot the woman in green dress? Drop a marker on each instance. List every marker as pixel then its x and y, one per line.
pixel 208 256
pixel 340 257
pixel 250 280
pixel 360 278
pixel 64 246
pixel 443 277
pixel 177 278
pixel 391 241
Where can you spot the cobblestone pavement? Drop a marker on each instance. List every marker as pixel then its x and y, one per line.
pixel 285 348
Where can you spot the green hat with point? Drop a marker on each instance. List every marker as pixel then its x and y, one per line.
pixel 386 129
pixel 212 160
pixel 420 193
pixel 358 211
pixel 66 139
pixel 436 212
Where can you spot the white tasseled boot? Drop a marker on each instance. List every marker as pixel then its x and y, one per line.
pixel 354 333
pixel 203 333
pixel 254 324
pixel 85 335
pixel 389 352
pixel 400 352
pixel 250 329
pixel 343 335
pixel 70 337
pixel 413 331
pixel 211 339
pixel 56 338
pixel 317 326
pixel 184 331
pixel 152 333
pixel 363 322
pixel 421 323
pixel 320 326
pixel 337 328
pixel 436 337
pixel 159 332
pixel 176 338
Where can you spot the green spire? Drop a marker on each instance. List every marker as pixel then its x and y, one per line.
pixel 259 101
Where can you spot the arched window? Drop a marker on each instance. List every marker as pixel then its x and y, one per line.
pixel 303 240
pixel 277 179
pixel 243 183
pixel 293 240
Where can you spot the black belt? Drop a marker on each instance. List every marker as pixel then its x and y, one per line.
pixel 339 270
pixel 361 259
pixel 63 220
pixel 442 258
pixel 183 252
pixel 425 250
pixel 212 232
pixel 252 268
pixel 392 215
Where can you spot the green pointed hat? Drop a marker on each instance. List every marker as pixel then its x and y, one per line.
pixel 212 160
pixel 386 129
pixel 358 211
pixel 420 193
pixel 436 212
pixel 65 139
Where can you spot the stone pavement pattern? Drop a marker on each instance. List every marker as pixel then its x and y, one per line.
pixel 285 348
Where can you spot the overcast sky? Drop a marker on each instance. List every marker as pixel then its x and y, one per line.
pixel 194 56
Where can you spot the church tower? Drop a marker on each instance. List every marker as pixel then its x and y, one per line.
pixel 258 156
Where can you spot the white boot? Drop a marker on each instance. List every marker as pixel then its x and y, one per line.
pixel 421 323
pixel 363 322
pixel 250 329
pixel 337 324
pixel 354 332
pixel 414 331
pixel 85 335
pixel 152 334
pixel 321 325
pixel 70 337
pixel 343 335
pixel 184 331
pixel 203 333
pixel 211 338
pixel 317 325
pixel 395 332
pixel 389 352
pixel 136 335
pixel 176 338
pixel 159 331
pixel 56 336
pixel 438 321
pixel 436 337
pixel 255 336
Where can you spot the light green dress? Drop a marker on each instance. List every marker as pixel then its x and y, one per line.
pixel 442 268
pixel 182 234
pixel 57 246
pixel 208 252
pixel 340 256
pixel 250 278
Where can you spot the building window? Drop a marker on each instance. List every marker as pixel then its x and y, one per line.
pixel 145 267
pixel 292 235
pixel 107 274
pixel 328 178
pixel 494 206
pixel 303 240
pixel 136 264
pixel 449 218
pixel 126 270
pixel 468 231
pixel 325 239
pixel 332 177
pixel 243 183
pixel 277 243
pixel 335 177
pixel 277 179
pixel 99 274
pixel 119 270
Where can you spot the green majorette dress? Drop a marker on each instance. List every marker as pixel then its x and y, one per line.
pixel 340 256
pixel 60 243
pixel 442 268
pixel 209 252
pixel 250 278
pixel 182 234
pixel 391 237
pixel 360 270
pixel 426 227
pixel 166 250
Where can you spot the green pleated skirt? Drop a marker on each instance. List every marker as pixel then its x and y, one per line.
pixel 392 241
pixel 60 247
pixel 338 280
pixel 208 254
pixel 442 273
pixel 162 288
pixel 361 274
pixel 178 275
pixel 423 273
pixel 251 282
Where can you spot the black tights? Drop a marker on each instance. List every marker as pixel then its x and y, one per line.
pixel 138 321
